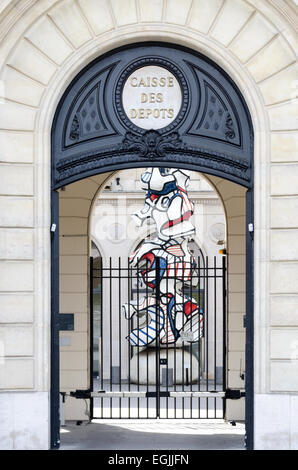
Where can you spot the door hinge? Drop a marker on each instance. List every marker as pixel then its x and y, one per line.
pixel 161 394
pixel 234 394
pixel 81 393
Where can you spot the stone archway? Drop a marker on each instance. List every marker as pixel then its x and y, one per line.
pixel 212 132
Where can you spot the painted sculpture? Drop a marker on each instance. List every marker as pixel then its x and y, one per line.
pixel 165 264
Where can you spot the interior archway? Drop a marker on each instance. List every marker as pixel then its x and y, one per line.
pixel 75 226
pixel 113 227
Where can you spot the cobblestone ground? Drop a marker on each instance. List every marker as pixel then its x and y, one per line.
pixel 149 435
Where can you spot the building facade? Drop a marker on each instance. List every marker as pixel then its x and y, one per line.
pixel 45 45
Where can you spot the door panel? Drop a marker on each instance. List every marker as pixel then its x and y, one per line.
pixel 140 369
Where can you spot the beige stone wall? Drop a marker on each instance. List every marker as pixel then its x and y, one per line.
pixel 75 202
pixel 43 45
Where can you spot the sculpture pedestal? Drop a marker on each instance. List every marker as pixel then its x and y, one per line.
pixel 185 367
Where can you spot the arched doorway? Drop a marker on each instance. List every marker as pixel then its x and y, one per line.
pixel 211 132
pixel 126 369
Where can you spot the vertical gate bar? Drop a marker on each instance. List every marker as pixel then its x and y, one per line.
pixel 224 330
pixel 215 320
pixel 157 280
pixel 128 328
pixel 147 349
pixel 101 335
pixel 167 351
pixel 111 346
pixel 199 339
pixel 175 362
pixel 207 331
pixel 119 305
pixel 192 273
pixel 183 347
pixel 91 333
pixel 138 353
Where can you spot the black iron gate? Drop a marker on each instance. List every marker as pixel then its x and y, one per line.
pixel 139 368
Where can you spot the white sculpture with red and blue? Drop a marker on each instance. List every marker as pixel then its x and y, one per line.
pixel 165 264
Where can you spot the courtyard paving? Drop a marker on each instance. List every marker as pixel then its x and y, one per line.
pixel 153 435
